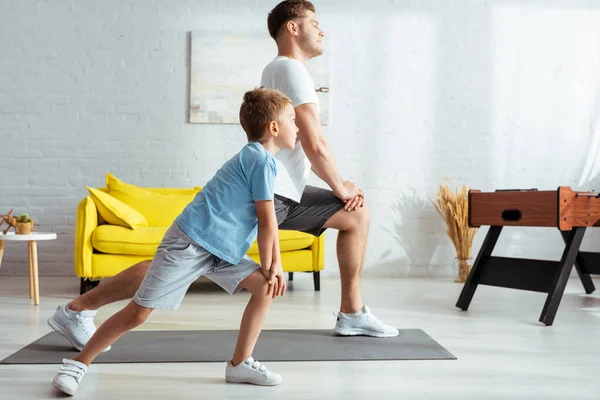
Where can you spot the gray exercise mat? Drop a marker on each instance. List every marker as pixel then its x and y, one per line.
pixel 213 346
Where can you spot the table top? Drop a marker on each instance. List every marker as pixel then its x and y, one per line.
pixel 33 236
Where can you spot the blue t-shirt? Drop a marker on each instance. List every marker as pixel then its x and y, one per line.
pixel 222 217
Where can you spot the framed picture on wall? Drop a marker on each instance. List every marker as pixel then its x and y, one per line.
pixel 225 66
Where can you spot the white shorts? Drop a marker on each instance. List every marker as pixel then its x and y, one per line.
pixel 178 262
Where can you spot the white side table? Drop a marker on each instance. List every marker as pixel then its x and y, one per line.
pixel 32 240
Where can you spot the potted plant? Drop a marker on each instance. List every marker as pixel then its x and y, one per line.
pixel 24 224
pixel 452 205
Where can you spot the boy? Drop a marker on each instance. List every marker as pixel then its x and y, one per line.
pixel 210 238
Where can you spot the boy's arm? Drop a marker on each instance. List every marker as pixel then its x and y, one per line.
pixel 268 247
pixel 317 150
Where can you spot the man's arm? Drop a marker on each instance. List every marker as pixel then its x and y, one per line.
pixel 268 247
pixel 317 150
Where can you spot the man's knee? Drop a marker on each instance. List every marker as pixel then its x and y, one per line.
pixel 363 217
pixel 343 220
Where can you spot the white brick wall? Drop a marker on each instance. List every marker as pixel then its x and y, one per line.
pixel 490 93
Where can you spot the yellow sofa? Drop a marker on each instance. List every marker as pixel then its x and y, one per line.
pixel 103 250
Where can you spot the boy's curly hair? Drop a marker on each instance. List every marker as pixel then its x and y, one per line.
pixel 259 108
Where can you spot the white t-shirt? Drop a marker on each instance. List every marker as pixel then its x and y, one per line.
pixel 293 168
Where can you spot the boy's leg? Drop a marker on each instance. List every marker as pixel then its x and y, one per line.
pixel 253 317
pixel 120 287
pixel 75 320
pixel 128 318
pixel 71 372
pixel 177 263
pixel 246 274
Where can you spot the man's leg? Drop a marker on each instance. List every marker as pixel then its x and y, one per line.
pixel 120 287
pixel 353 227
pixel 75 320
pixel 354 317
pixel 318 210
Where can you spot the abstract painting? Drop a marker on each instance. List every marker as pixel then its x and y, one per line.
pixel 225 66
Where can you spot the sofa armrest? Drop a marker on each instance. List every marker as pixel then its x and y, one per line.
pixel 86 222
pixel 318 253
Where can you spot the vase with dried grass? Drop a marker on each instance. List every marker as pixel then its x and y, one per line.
pixel 452 206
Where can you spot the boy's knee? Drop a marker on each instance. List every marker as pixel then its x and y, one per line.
pixel 261 294
pixel 264 293
pixel 142 267
pixel 139 318
pixel 137 315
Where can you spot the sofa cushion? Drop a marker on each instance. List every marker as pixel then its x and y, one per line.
pixel 160 209
pixel 112 182
pixel 288 241
pixel 115 212
pixel 143 241
pixel 113 239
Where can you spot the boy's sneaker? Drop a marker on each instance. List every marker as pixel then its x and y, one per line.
pixel 69 376
pixel 363 323
pixel 251 371
pixel 77 327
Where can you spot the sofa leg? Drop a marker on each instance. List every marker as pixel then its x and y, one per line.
pixel 87 285
pixel 317 280
pixel 290 276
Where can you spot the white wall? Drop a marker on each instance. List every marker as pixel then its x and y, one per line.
pixel 495 94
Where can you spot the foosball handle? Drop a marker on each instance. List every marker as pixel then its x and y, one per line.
pixel 587 194
pixel 516 190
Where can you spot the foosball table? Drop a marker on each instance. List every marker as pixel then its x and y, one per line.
pixel 570 211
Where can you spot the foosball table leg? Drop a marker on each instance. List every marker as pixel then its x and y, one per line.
pixel 573 242
pixel 473 280
pixel 582 269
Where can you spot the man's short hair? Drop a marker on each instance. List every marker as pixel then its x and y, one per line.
pixel 259 108
pixel 285 11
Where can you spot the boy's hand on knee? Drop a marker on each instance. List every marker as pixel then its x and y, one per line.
pixel 276 281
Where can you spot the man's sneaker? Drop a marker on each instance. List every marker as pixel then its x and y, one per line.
pixel 77 327
pixel 251 371
pixel 69 376
pixel 363 323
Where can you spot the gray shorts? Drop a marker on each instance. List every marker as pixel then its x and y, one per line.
pixel 178 262
pixel 315 208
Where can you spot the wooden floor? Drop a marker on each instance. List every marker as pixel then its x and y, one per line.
pixel 503 352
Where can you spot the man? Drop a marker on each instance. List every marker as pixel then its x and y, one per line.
pixel 294 27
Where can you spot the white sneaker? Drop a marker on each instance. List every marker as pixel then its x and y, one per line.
pixel 77 327
pixel 363 323
pixel 69 376
pixel 251 371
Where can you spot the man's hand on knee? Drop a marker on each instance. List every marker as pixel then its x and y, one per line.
pixel 355 203
pixel 348 191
